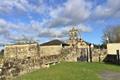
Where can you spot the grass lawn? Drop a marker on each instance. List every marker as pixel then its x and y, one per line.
pixel 70 71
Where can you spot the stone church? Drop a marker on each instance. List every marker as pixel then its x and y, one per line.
pixel 75 41
pixel 77 45
pixel 53 47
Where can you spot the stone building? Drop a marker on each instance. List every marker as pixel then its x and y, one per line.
pixel 113 55
pixel 79 48
pixel 33 50
pixel 112 48
pixel 53 47
pixel 75 41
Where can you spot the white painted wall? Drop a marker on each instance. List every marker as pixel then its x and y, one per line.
pixel 112 47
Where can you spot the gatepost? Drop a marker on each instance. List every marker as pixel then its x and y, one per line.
pixel 118 56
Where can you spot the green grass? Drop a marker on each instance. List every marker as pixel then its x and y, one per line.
pixel 70 71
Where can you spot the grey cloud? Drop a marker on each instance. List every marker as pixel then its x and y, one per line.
pixel 15 31
pixel 71 13
pixel 21 7
pixel 35 30
pixel 9 5
pixel 110 9
pixel 62 31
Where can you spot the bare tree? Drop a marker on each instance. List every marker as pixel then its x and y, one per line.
pixel 26 39
pixel 112 34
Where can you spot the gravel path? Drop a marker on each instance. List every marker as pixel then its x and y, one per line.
pixel 109 75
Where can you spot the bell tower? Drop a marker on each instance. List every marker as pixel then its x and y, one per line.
pixel 73 37
pixel 73 33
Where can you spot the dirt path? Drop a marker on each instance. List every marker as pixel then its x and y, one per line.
pixel 109 75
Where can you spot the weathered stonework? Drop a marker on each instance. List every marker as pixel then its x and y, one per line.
pixel 50 50
pixel 77 47
pixel 21 51
pixel 27 58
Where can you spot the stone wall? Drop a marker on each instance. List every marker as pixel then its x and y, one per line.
pixel 50 50
pixel 98 55
pixel 21 59
pixel 31 50
pixel 21 51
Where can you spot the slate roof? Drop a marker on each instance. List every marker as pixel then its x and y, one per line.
pixel 54 42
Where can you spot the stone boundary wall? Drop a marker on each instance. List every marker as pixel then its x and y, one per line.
pixel 20 51
pixel 15 67
pixel 50 50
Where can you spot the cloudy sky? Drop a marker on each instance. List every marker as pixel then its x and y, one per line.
pixel 43 20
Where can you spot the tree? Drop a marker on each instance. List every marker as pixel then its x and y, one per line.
pixel 112 34
pixel 25 40
pixel 1 54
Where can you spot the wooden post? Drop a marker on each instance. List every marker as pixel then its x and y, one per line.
pixel 118 58
pixel 90 51
pixel 90 55
pixel 16 53
pixel 99 57
pixel 87 55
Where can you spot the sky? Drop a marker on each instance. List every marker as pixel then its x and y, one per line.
pixel 44 20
